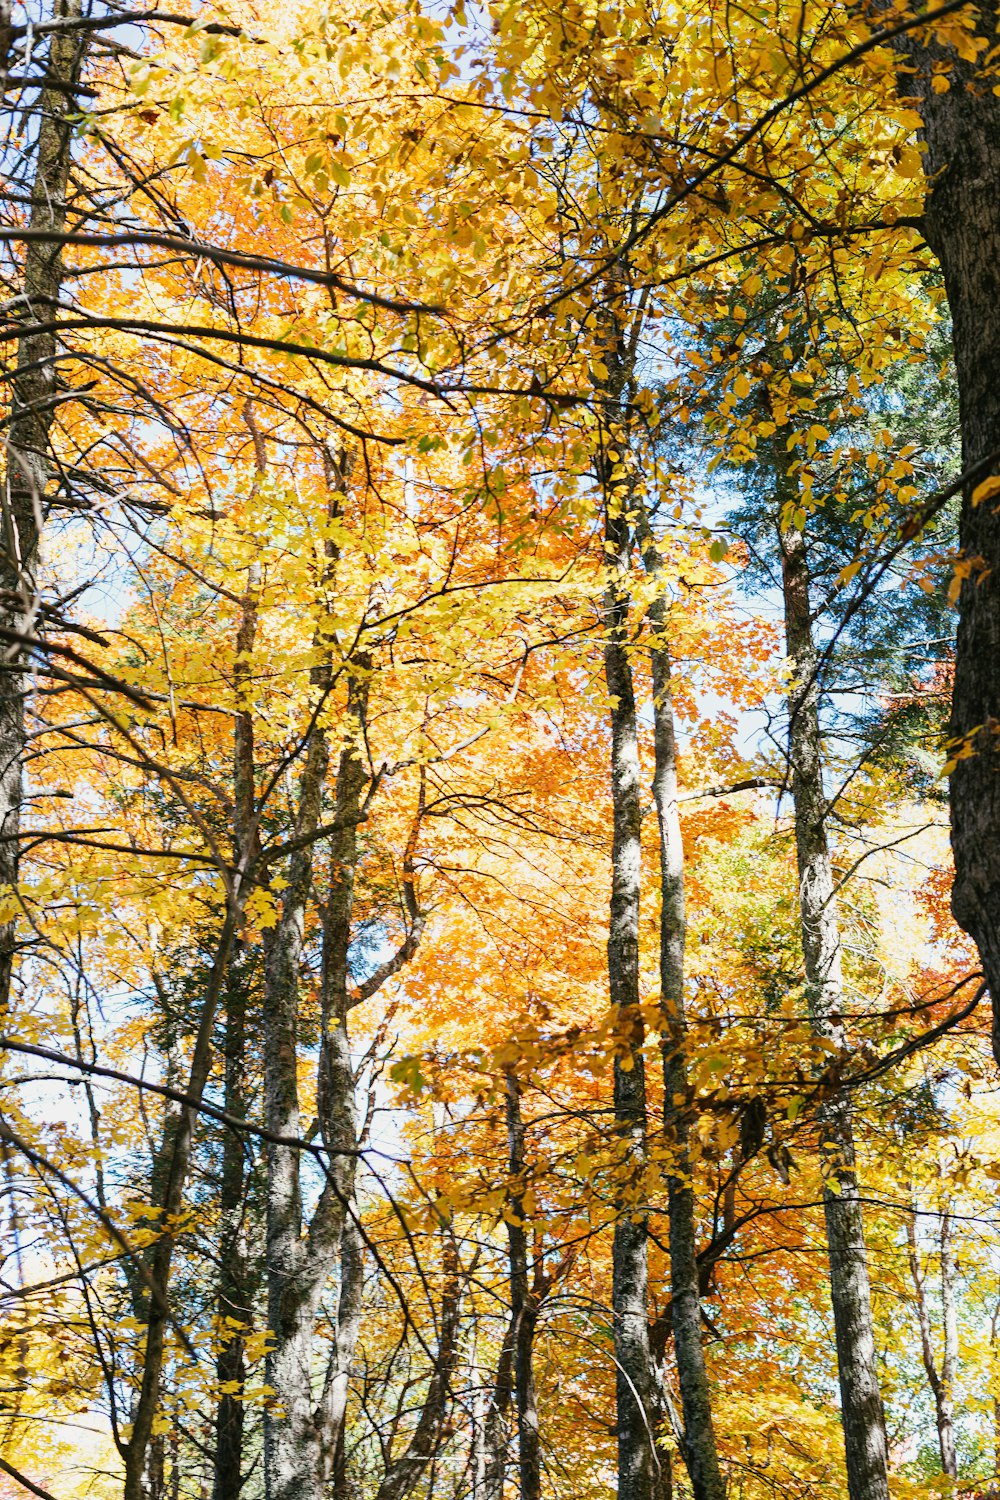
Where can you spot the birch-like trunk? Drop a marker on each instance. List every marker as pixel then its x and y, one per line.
pixel 700 1451
pixel 27 448
pixel 300 1443
pixel 637 1463
pixel 861 1402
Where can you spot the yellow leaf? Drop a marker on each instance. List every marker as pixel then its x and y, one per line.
pixel 986 490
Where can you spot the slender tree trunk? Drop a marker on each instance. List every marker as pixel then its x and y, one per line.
pixel 28 465
pixel 634 1377
pixel 861 1402
pixel 234 1292
pixel 941 1382
pixel 700 1451
pixel 404 1473
pixel 177 1154
pixel 949 1360
pixel 495 1427
pixel 962 225
pixel 523 1305
pixel 234 1310
pixel 995 1384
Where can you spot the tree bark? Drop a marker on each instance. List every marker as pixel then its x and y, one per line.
pixel 234 1292
pixel 523 1305
pixel 941 1382
pixel 30 424
pixel 962 226
pixel 700 1451
pixel 405 1472
pixel 861 1403
pixel 176 1154
pixel 300 1444
pixel 233 1304
pixel 634 1369
pixel 495 1425
pixel 949 1360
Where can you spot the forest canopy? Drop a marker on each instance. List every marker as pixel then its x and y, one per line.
pixel 500 750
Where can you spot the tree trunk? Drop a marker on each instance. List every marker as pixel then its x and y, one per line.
pixel 700 1451
pixel 861 1402
pixel 234 1309
pixel 405 1472
pixel 949 1360
pixel 523 1305
pixel 291 1455
pixel 962 226
pixel 495 1426
pixel 234 1292
pixel 30 423
pixel 941 1382
pixel 176 1156
pixel 634 1378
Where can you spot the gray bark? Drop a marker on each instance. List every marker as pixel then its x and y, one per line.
pixel 699 1449
pixel 635 1403
pixel 861 1403
pixel 962 226
pixel 27 458
pixel 299 1447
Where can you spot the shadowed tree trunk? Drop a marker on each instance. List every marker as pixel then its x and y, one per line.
pixel 861 1402
pixel 962 225
pixel 523 1305
pixel 234 1292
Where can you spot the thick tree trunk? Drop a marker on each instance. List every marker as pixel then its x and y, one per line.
pixel 700 1451
pixel 861 1402
pixel 962 226
pixel 28 464
pixel 634 1374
